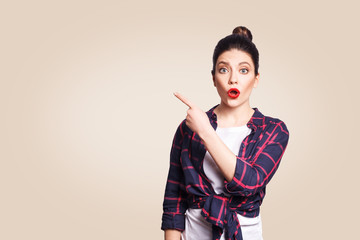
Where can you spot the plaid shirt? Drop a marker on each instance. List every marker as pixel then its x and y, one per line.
pixel 188 187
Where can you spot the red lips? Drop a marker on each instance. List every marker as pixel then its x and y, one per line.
pixel 233 92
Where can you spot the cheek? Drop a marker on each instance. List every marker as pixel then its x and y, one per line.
pixel 218 82
pixel 249 83
pixel 248 88
pixel 220 87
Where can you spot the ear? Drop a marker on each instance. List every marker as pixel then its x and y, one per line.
pixel 256 80
pixel 213 78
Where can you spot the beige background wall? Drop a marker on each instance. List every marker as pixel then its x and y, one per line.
pixel 87 112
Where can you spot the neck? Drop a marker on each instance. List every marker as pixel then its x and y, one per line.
pixel 233 116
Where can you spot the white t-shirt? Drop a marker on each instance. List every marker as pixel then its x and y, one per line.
pixel 196 227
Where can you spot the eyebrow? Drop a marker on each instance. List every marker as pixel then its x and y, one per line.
pixel 241 63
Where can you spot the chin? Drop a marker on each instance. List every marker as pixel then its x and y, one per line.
pixel 232 103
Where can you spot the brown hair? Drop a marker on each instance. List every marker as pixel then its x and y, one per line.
pixel 243 31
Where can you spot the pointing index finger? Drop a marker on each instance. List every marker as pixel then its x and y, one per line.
pixel 183 99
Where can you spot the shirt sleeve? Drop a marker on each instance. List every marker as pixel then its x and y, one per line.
pixel 252 177
pixel 175 203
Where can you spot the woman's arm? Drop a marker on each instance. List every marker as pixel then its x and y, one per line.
pixel 246 178
pixel 198 121
pixel 243 178
pixel 172 234
pixel 251 178
pixel 225 159
pixel 175 203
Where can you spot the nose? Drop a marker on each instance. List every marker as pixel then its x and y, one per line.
pixel 233 79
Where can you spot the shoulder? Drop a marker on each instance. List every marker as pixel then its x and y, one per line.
pixel 182 128
pixel 276 122
pixel 270 123
pixel 270 130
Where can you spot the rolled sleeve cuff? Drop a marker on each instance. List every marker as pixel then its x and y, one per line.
pixel 173 221
pixel 234 187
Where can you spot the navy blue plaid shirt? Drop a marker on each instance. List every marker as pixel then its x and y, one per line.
pixel 188 187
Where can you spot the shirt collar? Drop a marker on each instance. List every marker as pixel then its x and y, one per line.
pixel 256 120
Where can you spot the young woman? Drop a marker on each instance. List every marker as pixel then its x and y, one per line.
pixel 221 160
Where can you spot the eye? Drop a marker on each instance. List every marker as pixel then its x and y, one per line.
pixel 244 71
pixel 223 70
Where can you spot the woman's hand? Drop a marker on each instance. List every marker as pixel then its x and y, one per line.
pixel 172 234
pixel 196 119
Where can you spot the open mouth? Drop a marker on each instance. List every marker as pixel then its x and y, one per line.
pixel 233 92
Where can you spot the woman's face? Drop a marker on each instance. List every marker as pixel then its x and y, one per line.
pixel 234 77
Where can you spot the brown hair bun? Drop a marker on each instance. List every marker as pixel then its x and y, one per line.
pixel 243 31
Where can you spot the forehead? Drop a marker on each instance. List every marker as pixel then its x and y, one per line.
pixel 234 57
